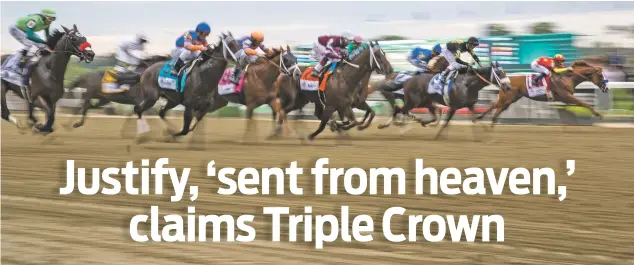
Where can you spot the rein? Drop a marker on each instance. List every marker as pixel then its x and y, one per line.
pixel 373 59
pixel 494 75
pixel 282 67
pixel 225 50
pixel 583 76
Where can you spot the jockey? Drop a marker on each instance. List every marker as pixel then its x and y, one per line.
pixel 356 42
pixel 127 61
pixel 249 52
pixel 544 65
pixel 327 47
pixel 452 54
pixel 24 32
pixel 420 57
pixel 190 45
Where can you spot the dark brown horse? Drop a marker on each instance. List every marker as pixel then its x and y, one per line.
pixel 562 86
pixel 258 88
pixel 391 90
pixel 92 82
pixel 47 80
pixel 204 76
pixel 465 91
pixel 339 92
pixel 293 98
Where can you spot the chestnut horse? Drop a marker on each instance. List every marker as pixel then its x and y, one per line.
pixel 561 85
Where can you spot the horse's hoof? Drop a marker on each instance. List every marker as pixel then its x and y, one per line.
pixel 333 127
pixel 381 126
pixel 77 125
pixel 171 133
pixel 40 128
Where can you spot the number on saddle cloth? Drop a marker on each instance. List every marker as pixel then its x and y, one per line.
pixel 167 80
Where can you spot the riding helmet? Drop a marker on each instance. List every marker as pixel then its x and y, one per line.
pixel 203 28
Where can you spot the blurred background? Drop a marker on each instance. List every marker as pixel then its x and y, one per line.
pixel 512 33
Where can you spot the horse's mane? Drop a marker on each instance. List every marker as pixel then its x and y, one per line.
pixel 275 54
pixel 483 70
pixel 54 38
pixel 586 68
pixel 581 63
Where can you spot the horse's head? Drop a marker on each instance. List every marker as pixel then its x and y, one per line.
pixel 495 75
pixel 72 42
pixel 498 76
pixel 288 62
pixel 375 57
pixel 226 47
pixel 592 74
pixel 385 65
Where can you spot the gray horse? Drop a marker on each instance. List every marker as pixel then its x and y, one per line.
pixel 204 76
pixel 47 80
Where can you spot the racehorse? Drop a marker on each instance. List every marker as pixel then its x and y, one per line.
pixel 203 76
pixel 257 87
pixel 293 97
pixel 562 86
pixel 338 92
pixel 393 91
pixel 463 94
pixel 92 82
pixel 47 80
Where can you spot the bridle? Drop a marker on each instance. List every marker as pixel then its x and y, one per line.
pixel 494 76
pixel 77 51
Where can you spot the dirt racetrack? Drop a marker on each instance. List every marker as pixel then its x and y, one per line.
pixel 594 225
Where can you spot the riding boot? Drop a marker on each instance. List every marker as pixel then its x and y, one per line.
pixel 177 66
pixel 235 78
pixel 539 78
pixel 23 59
pixel 317 69
pixel 26 78
pixel 443 76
